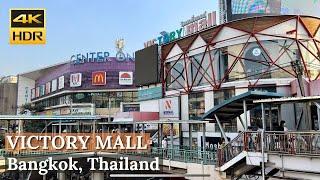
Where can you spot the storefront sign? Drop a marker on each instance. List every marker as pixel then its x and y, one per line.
pixel 165 37
pixel 125 78
pixel 150 93
pixel 99 78
pixel 82 111
pixel 195 24
pixel 198 23
pixel 102 56
pixel 169 107
pixel 48 87
pixel 75 80
pixel 54 84
pixel 61 82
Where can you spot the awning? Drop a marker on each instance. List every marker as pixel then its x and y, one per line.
pixel 233 107
pixel 45 117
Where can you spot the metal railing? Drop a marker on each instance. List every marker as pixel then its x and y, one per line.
pixel 181 155
pixel 290 143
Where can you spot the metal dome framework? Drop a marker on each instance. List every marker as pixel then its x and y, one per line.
pixel 193 61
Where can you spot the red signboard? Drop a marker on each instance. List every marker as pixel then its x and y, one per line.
pixel 99 78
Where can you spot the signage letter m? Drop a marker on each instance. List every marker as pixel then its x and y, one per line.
pixel 99 78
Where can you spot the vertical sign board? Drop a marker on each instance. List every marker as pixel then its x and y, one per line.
pixel 61 82
pixel 54 84
pixel 75 80
pixel 169 107
pixel 48 87
pixel 27 26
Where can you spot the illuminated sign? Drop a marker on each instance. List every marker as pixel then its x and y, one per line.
pixel 27 26
pixel 125 78
pixel 165 37
pixel 75 80
pixel 99 78
pixel 196 23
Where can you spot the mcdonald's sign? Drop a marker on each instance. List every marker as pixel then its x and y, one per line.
pixel 99 78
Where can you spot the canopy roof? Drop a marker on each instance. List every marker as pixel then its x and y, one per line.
pixel 233 107
pixel 26 117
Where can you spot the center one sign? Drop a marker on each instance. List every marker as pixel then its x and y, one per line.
pixel 169 107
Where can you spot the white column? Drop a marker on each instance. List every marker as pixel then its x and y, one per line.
pixel 61 175
pixel 97 175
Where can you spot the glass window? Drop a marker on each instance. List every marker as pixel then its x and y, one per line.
pixel 196 105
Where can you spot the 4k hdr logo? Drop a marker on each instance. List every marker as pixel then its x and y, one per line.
pixel 27 26
pixel 99 78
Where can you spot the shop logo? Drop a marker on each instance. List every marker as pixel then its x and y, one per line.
pixel 125 78
pixel 168 104
pixel 75 80
pixel 99 78
pixel 27 26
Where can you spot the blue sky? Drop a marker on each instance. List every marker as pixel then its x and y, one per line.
pixel 80 26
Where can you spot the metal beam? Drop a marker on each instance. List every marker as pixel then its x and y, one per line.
pixel 221 129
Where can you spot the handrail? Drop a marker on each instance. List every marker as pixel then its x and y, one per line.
pixel 280 142
pixel 182 155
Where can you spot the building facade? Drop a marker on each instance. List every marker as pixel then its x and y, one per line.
pixel 86 88
pixel 268 53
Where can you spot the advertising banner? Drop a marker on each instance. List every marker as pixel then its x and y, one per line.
pixel 169 107
pixel 75 80
pixel 54 84
pixel 99 78
pixel 48 87
pixel 125 78
pixel 61 82
pixel 37 91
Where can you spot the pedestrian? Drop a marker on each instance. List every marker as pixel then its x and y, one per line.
pixel 164 144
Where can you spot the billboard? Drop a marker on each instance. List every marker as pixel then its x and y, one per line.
pixel 99 78
pixel 147 66
pixel 238 9
pixel 169 107
pixel 305 7
pixel 125 78
pixel 150 93
pixel 75 80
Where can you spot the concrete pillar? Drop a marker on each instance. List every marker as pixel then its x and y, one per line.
pixel 171 135
pixel 61 175
pixel 97 175
pixel 190 135
pixel 161 135
pixel 245 115
pixel 204 136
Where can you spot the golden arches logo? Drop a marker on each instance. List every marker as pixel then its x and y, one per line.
pixel 99 78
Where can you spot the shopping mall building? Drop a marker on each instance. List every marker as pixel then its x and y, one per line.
pixel 268 53
pixel 98 86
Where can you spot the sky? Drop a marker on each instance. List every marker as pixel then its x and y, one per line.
pixel 81 26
